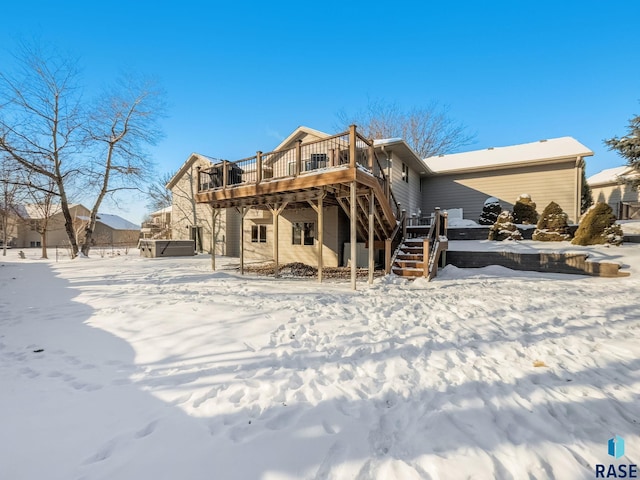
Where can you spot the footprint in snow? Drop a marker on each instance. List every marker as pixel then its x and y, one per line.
pixel 147 430
pixel 284 419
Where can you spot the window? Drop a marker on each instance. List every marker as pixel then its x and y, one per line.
pixel 35 244
pixel 303 233
pixel 258 234
pixel 318 160
pixel 405 173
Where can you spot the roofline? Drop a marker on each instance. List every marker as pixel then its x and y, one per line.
pixel 296 132
pixel 402 143
pixel 502 166
pixel 627 173
pixel 182 170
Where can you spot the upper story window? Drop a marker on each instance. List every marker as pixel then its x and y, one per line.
pixel 405 173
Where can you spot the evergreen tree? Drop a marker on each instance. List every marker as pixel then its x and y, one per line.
pixel 504 228
pixel 628 147
pixel 586 199
pixel 490 211
pixel 552 226
pixel 524 210
pixel 598 226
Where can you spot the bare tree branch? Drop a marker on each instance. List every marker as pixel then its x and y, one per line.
pixel 429 130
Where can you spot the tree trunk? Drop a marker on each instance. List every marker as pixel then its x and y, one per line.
pixel 68 221
pixel 43 242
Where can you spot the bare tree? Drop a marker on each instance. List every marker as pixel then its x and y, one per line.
pixel 42 197
pixel 122 123
pixel 40 121
pixel 158 194
pixel 429 130
pixel 11 195
pixel 49 132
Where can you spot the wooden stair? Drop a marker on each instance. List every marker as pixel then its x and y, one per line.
pixel 409 262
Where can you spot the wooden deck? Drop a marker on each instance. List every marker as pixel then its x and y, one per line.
pixel 341 170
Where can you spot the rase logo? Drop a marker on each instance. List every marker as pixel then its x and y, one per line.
pixel 615 448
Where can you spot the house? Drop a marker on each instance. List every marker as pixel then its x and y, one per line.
pixel 158 225
pixel 31 219
pixel 548 170
pixel 610 186
pixel 323 199
pixel 113 230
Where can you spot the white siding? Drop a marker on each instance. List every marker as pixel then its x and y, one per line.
pixel 186 213
pixel 614 195
pixel 287 251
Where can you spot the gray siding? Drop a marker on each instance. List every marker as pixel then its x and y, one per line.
pixel 407 194
pixel 545 183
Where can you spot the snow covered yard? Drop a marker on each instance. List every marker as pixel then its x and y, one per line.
pixel 132 368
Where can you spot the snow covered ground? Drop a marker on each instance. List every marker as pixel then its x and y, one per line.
pixel 131 368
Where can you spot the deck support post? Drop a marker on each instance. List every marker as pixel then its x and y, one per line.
pixel 243 212
pixel 372 207
pixel 320 236
pixel 276 210
pixel 387 256
pixel 354 235
pixel 214 214
pixel 319 209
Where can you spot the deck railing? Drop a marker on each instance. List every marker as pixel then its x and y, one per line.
pixel 320 155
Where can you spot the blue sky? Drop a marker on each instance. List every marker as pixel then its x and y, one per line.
pixel 240 76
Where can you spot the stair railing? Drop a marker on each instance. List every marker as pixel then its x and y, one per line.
pixel 392 244
pixel 435 244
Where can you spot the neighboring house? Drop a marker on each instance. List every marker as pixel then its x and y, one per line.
pixel 115 230
pixel 285 203
pixel 110 229
pixel 31 219
pixel 158 225
pixel 610 186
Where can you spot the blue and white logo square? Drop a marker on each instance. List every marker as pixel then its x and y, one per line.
pixel 616 446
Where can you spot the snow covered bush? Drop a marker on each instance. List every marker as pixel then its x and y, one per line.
pixel 597 226
pixel 504 228
pixel 524 210
pixel 552 226
pixel 490 211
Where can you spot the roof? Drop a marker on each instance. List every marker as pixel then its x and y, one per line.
pixel 404 151
pixel 608 176
pixel 185 166
pixel 299 133
pixel 115 222
pixel 35 211
pixel 543 151
pixel 162 210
